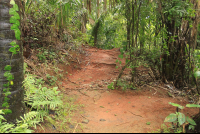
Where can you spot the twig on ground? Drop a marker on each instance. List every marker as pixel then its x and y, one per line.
pixel 162 88
pixel 72 81
pixel 122 123
pixel 75 127
pixel 135 114
pixel 84 116
pixel 153 88
pixel 83 93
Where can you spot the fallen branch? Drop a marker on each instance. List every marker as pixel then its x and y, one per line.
pixel 84 117
pixel 153 88
pixel 163 88
pixel 121 72
pixel 75 127
pixel 82 93
pixel 122 123
pixel 135 114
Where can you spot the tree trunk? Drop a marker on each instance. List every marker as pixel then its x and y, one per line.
pixel 128 28
pixel 17 92
pixel 84 18
pixel 90 6
pixel 110 5
pixel 174 64
pixel 98 11
pixel 105 7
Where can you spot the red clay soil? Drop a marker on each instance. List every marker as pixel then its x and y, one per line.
pixel 116 111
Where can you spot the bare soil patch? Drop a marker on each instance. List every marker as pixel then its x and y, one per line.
pixel 115 111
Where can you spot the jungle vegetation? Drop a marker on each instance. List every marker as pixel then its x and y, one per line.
pixel 162 34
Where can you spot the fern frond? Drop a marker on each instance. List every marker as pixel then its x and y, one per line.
pixel 40 98
pixel 5 127
pixel 28 118
pixel 2 118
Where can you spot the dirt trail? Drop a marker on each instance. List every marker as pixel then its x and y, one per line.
pixel 114 110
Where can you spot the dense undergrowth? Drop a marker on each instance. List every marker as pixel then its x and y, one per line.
pixel 47 49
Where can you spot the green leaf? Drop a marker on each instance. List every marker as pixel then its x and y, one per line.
pixel 5 104
pixel 1 112
pixel 12 2
pixel 16 47
pixel 197 74
pixel 44 88
pixel 122 51
pixel 15 6
pixel 127 61
pixel 6 99
pixel 190 120
pixel 55 88
pixel 171 118
pixel 193 105
pixel 110 86
pixel 27 2
pixel 6 74
pixel 2 118
pixel 181 118
pixel 17 23
pixel 13 43
pixel 120 56
pixel 7 93
pixel 191 127
pixel 7 68
pixel 11 83
pixel 10 77
pixel 14 20
pixel 148 123
pixel 12 11
pixel 16 16
pixel 12 50
pixel 5 90
pixel 7 111
pixel 176 105
pixel 124 43
pixel 14 27
pixel 6 85
pixel 17 34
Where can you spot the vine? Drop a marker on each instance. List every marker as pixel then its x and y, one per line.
pixel 14 50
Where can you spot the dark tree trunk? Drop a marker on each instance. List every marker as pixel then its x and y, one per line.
pixel 98 9
pixel 174 64
pixel 95 33
pixel 128 16
pixel 17 92
pixel 105 7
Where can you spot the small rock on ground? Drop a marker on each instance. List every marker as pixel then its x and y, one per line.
pixel 102 120
pixel 85 121
pixel 71 126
